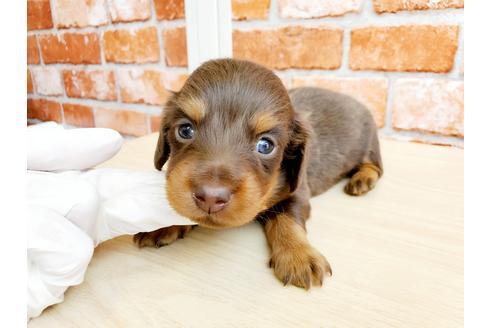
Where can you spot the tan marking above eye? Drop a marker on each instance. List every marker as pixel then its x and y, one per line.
pixel 193 107
pixel 263 121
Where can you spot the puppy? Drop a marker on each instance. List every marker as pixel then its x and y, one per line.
pixel 240 147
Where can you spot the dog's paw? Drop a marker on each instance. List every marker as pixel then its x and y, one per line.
pixel 360 183
pixel 161 237
pixel 301 267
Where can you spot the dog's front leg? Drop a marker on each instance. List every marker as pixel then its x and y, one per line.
pixel 294 260
pixel 161 237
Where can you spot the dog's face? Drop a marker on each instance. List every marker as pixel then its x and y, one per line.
pixel 234 145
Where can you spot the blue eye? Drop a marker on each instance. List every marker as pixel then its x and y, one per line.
pixel 264 146
pixel 186 131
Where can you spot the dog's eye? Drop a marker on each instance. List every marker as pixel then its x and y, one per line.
pixel 185 131
pixel 264 146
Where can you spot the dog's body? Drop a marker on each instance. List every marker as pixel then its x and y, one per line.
pixel 344 136
pixel 241 148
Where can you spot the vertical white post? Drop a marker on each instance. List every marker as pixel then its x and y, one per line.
pixel 208 30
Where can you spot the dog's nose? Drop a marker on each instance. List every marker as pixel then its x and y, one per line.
pixel 212 199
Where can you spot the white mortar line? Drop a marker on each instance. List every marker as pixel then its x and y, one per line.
pixel 354 21
pixel 64 94
pixel 54 18
pixel 101 34
pixel 388 114
pixel 160 43
pixel 345 50
pixel 106 104
pixel 111 26
pixel 38 48
pixel 104 65
pixel 113 66
pixel 346 72
pixel 108 12
pixel 460 53
pixel 417 136
pixel 116 83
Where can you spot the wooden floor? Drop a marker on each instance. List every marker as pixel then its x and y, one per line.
pixel 396 254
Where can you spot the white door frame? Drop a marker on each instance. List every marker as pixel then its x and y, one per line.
pixel 208 30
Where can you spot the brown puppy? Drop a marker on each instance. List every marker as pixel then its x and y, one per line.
pixel 240 147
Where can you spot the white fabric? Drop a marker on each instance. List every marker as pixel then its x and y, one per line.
pixel 69 196
pixel 70 212
pixel 131 202
pixel 52 148
pixel 58 253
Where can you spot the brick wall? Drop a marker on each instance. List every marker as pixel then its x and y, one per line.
pixel 112 63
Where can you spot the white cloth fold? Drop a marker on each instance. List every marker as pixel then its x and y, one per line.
pixel 70 212
pixel 52 148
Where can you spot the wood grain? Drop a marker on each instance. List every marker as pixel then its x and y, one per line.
pixel 396 254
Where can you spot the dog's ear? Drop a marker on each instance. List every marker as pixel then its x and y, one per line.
pixel 295 154
pixel 162 149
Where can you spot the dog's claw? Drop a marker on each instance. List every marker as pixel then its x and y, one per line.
pixel 307 282
pixel 161 237
pixel 300 268
pixel 286 279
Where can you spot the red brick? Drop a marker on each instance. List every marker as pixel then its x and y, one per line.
pixel 124 121
pixel 175 46
pixel 90 84
pixel 414 48
pixel 29 82
pixel 131 46
pixel 32 50
pixel 38 15
pixel 291 47
pixel 44 110
pixel 372 92
pixel 148 86
pixel 48 81
pixel 155 123
pixel 250 9
pixel 169 9
pixel 78 115
pixel 129 10
pixel 73 48
pixel 429 105
pixel 392 6
pixel 80 13
pixel 316 8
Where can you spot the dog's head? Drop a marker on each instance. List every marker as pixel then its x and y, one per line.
pixel 234 144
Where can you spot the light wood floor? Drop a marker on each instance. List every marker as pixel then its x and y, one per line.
pixel 396 254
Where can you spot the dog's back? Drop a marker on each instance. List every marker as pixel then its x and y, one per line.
pixel 344 135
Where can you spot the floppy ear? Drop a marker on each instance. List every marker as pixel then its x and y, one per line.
pixel 295 156
pixel 162 150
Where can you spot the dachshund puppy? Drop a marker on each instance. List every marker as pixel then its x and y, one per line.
pixel 240 147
